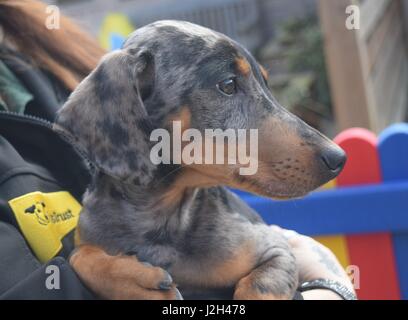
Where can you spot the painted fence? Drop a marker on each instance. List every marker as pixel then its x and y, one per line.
pixel 363 216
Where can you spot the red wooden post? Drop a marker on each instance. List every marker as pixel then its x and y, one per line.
pixel 371 253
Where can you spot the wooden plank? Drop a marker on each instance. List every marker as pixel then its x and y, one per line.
pixel 393 149
pixel 400 241
pixel 372 253
pixel 399 102
pixel 366 68
pixel 363 165
pixel 345 69
pixel 390 71
pixel 371 13
pixel 360 209
pixel 404 10
pixel 376 42
pixel 393 46
pixel 336 243
pixel 387 79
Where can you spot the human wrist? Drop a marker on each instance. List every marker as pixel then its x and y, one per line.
pixel 320 294
pixel 324 274
pixel 336 287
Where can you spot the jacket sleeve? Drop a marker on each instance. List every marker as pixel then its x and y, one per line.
pixel 23 277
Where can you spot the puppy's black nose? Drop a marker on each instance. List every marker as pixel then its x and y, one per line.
pixel 334 159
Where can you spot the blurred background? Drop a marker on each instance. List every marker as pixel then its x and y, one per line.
pixel 332 77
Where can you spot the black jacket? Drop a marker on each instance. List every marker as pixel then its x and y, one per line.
pixel 42 179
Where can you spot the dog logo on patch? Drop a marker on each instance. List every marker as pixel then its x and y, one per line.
pixel 44 218
pixel 39 210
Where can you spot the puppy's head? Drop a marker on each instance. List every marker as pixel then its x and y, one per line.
pixel 177 71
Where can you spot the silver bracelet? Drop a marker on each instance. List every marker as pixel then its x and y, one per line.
pixel 331 285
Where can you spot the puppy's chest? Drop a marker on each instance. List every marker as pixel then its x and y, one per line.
pixel 161 248
pixel 206 272
pixel 205 246
pixel 206 262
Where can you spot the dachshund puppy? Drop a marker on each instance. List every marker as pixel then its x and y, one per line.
pixel 147 229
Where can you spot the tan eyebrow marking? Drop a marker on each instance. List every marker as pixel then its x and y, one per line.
pixel 264 72
pixel 243 66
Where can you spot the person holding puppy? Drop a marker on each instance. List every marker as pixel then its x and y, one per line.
pixel 42 177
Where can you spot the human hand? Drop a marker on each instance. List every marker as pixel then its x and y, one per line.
pixel 315 261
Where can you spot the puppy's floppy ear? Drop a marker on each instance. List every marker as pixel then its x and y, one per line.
pixel 106 117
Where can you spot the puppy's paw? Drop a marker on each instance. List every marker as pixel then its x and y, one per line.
pixel 122 277
pixel 264 287
pixel 249 288
pixel 140 280
pixel 276 275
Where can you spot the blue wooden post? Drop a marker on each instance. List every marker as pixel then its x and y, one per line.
pixel 393 149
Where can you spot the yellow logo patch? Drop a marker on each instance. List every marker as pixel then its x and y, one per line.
pixel 44 219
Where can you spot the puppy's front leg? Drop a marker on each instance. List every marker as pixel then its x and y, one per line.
pixel 122 277
pixel 276 274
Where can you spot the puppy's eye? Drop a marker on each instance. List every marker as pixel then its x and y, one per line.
pixel 227 87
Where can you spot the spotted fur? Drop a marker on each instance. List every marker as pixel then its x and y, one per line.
pixel 181 218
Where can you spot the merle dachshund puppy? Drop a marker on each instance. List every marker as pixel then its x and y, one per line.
pixel 147 229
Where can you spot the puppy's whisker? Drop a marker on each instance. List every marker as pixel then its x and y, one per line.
pixel 169 174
